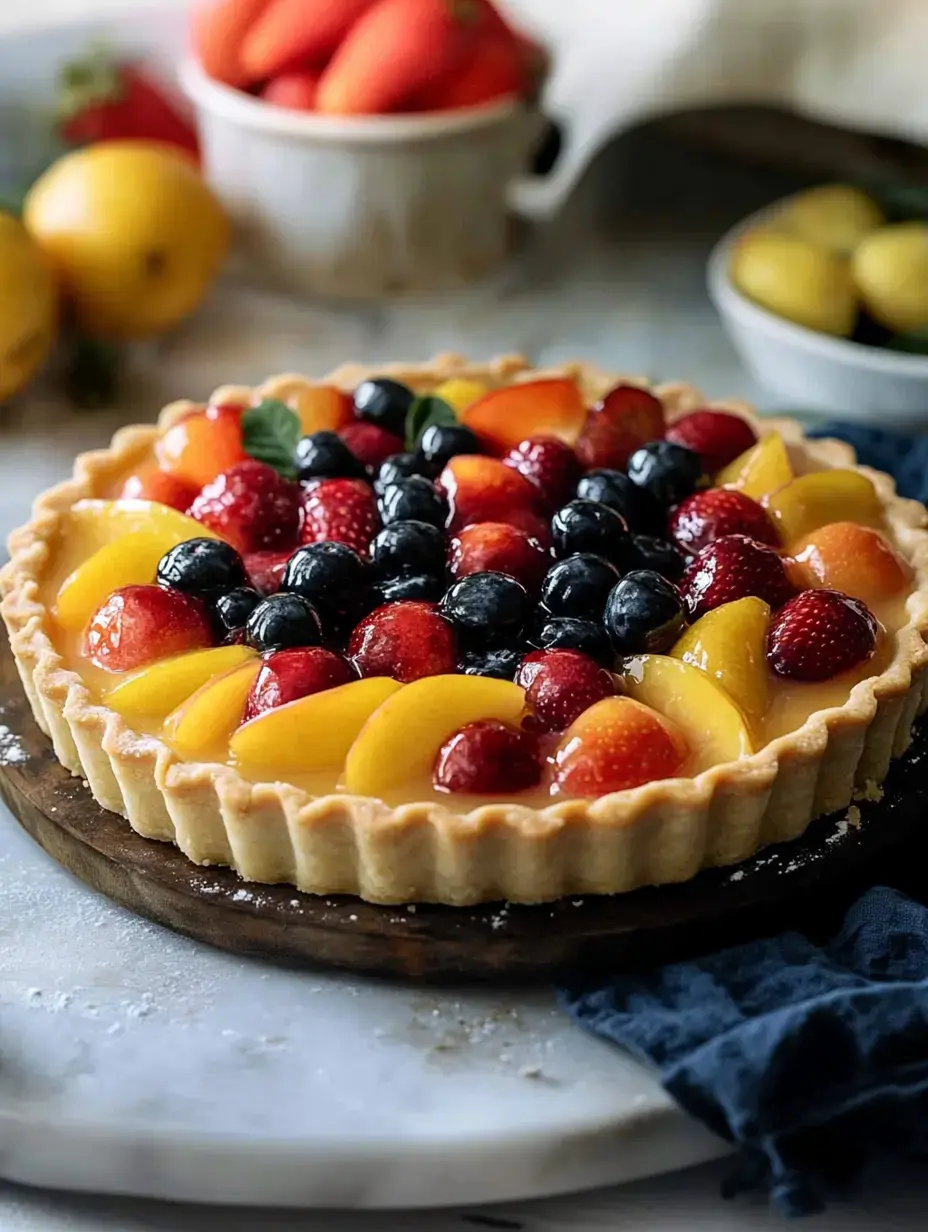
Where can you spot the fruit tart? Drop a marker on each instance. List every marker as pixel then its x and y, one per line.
pixel 463 632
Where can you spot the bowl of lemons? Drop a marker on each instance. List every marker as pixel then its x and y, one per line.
pixel 826 301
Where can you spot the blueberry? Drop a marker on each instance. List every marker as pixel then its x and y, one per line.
pixel 669 472
pixel 614 488
pixel 385 403
pixel 325 573
pixel 402 466
pixel 441 442
pixel 324 455
pixel 588 526
pixel 412 500
pixel 579 586
pixel 660 555
pixel 409 547
pixel 283 620
pixel 203 567
pixel 568 633
pixel 487 607
pixel 502 662
pixel 233 609
pixel 644 613
pixel 411 586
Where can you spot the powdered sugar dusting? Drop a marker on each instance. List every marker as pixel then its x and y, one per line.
pixel 12 752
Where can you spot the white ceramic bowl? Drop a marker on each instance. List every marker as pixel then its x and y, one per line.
pixel 811 371
pixel 364 206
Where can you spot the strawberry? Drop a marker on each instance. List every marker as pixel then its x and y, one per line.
pixel 488 757
pixel 504 417
pixel 153 484
pixel 218 28
pixel 615 745
pixel 287 675
pixel 734 567
pixel 708 515
pixel 252 506
pixel 481 489
pixel 266 569
pixel 296 90
pixel 138 624
pixel 104 101
pixel 406 640
pixel 625 419
pixel 370 443
pixel 203 443
pixel 820 634
pixel 549 464
pixel 497 69
pixel 343 510
pixel 297 32
pixel 717 436
pixel 851 558
pixel 560 684
pixel 495 547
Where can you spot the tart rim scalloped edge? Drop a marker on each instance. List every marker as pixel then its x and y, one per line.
pixel 663 831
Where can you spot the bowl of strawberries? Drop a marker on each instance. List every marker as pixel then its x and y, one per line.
pixel 365 147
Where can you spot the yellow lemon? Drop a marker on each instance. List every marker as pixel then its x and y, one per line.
pixel 836 216
pixel 803 282
pixel 28 306
pixel 133 233
pixel 891 271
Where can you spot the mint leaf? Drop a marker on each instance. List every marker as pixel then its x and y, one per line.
pixel 423 413
pixel 270 432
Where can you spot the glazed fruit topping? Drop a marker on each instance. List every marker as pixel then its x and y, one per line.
pixel 202 444
pixel 504 417
pixel 811 501
pixel 644 613
pixel 203 567
pixel 819 634
pixel 717 436
pixel 560 684
pixel 488 757
pixel 496 547
pixel 281 621
pixel 344 510
pixel 441 442
pixel 409 547
pixel 412 500
pixel 708 515
pixel 579 586
pixel 232 610
pixel 614 488
pixel 500 662
pixel 320 408
pixel 138 624
pixel 252 506
pixel 383 402
pixel 287 675
pixel 330 576
pixel 615 745
pixel 324 455
pixel 481 489
pixel 568 633
pixel 587 526
pixel 487 607
pixel 729 644
pixel 370 443
pixel 549 464
pixel 266 569
pixel 734 567
pixel 625 419
pixel 666 471
pixel 761 470
pixel 406 640
pixel 153 484
pixel 401 466
pixel 424 586
pixel 854 559
pixel 652 552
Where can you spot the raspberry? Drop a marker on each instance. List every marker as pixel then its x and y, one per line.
pixel 706 516
pixel 820 634
pixel 560 684
pixel 139 624
pixel 343 510
pixel 486 757
pixel 734 567
pixel 252 506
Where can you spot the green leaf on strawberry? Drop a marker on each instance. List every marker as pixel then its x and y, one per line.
pixel 424 412
pixel 270 432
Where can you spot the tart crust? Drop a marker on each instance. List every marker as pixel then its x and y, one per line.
pixel 662 832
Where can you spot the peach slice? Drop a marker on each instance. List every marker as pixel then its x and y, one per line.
pixel 400 741
pixel 616 744
pixel 728 644
pixel 814 500
pixel 848 557
pixel 460 392
pixel 203 725
pixel 713 725
pixel 320 407
pixel 314 732
pixel 98 522
pixel 158 689
pixel 504 417
pixel 759 470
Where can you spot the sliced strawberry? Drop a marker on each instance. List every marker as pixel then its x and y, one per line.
pixel 138 624
pixel 202 444
pixel 615 745
pixel 295 90
pixel 292 32
pixel 496 547
pixel 548 464
pixel 708 515
pixel 218 28
pixel 154 484
pixel 343 510
pixel 481 489
pixel 406 640
pixel 560 684
pixel 252 506
pixel 266 569
pixel 717 436
pixel 488 757
pixel 370 443
pixel 505 417
pixel 287 675
pixel 819 634
pixel 625 419
pixel 734 567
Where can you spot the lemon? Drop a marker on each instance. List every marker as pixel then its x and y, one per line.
pixel 890 268
pixel 28 306
pixel 836 216
pixel 804 282
pixel 133 233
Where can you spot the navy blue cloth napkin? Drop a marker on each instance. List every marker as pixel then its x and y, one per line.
pixel 812 1059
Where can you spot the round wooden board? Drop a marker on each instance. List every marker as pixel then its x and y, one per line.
pixel 423 942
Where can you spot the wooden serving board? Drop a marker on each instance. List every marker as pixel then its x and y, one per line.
pixel 423 942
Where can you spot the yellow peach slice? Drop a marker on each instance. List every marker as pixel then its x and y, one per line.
pixel 714 727
pixel 203 725
pixel 728 644
pixel 312 733
pixel 460 392
pixel 99 522
pixel 759 470
pixel 400 741
pixel 158 689
pixel 815 500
